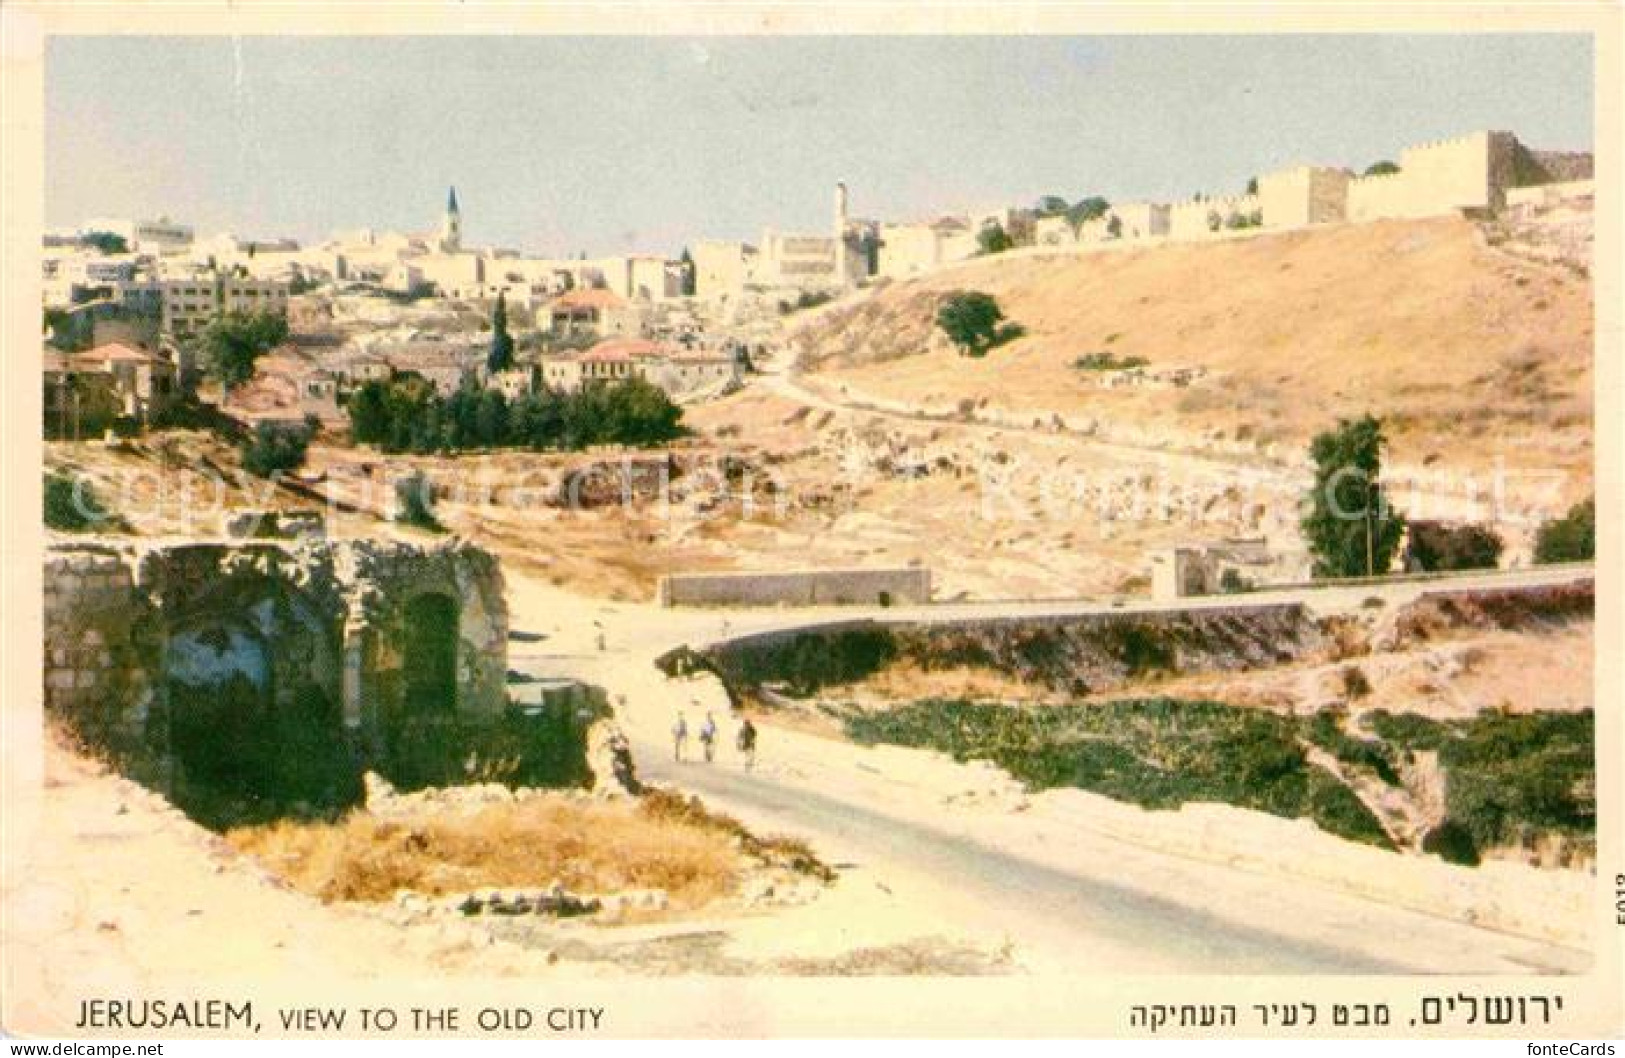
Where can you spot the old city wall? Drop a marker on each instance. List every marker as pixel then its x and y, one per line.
pixel 1469 172
pixel 816 588
pixel 1295 198
pixel 1194 219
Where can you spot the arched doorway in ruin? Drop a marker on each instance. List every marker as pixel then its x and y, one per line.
pixel 429 641
pixel 251 714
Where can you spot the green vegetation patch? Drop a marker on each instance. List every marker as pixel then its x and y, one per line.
pixel 1105 361
pixel 1157 753
pixel 1508 775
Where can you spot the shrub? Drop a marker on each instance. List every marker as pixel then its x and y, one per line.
pixel 1325 730
pixel 72 506
pixel 1453 843
pixel 274 448
pixel 1438 546
pixel 1157 753
pixel 1106 361
pixel 1571 538
pixel 993 239
pixel 971 321
pixel 414 502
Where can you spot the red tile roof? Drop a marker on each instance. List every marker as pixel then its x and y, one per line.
pixel 626 349
pixel 589 298
pixel 118 352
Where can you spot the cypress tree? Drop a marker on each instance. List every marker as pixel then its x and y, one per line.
pixel 501 355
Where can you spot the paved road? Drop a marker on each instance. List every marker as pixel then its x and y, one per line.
pixel 1101 915
pixel 1106 904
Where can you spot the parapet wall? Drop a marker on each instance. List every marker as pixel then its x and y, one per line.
pixel 815 588
pixel 1075 653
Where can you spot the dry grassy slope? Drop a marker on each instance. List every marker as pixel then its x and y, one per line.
pixel 1421 321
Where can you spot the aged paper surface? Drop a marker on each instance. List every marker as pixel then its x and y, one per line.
pixel 626 521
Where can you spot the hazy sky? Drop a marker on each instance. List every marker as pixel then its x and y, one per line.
pixel 605 144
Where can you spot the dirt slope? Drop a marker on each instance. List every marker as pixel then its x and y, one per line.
pixel 1472 352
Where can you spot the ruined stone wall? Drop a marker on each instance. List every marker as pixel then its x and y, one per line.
pixel 384 580
pixel 95 675
pixel 124 622
pixel 818 588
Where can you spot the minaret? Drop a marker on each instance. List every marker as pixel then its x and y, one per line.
pixel 840 235
pixel 451 226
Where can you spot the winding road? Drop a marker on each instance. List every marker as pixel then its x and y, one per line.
pixel 965 842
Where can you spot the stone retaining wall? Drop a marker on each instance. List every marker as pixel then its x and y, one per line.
pixel 816 588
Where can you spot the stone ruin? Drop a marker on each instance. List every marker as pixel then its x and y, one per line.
pixel 275 671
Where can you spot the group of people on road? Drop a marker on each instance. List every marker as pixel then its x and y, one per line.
pixel 744 741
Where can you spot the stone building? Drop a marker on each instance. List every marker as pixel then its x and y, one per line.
pixel 680 372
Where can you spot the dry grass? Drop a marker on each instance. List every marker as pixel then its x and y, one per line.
pixel 586 847
pixel 1412 319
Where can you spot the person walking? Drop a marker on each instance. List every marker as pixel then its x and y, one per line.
pixel 747 743
pixel 679 736
pixel 708 737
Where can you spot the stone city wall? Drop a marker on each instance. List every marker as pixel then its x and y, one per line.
pixel 1195 219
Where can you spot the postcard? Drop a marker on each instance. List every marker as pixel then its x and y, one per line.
pixel 617 521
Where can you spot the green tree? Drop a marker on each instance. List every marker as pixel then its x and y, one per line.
pixel 105 242
pixel 1443 546
pixel 971 321
pixel 993 239
pixel 1382 168
pixel 1252 185
pixel 637 412
pixel 1051 206
pixel 1087 209
pixel 491 419
pixel 1349 528
pixel 369 413
pixel 275 447
pixel 687 262
pixel 234 341
pixel 1571 538
pixel 501 355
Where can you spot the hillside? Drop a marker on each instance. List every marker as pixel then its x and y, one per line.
pixel 1472 351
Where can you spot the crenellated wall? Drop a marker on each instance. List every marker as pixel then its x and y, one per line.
pixel 1295 198
pixel 1205 217
pixel 1468 172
